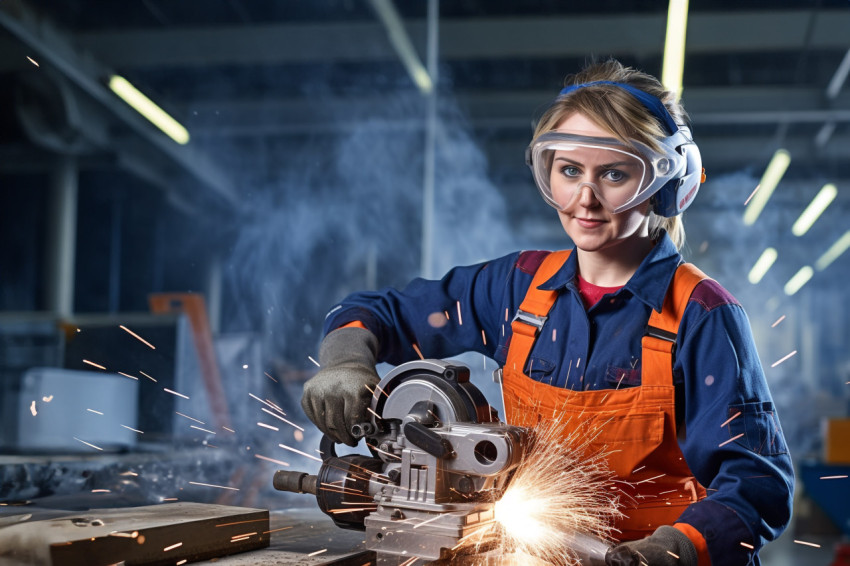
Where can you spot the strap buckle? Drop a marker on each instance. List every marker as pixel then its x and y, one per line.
pixel 530 319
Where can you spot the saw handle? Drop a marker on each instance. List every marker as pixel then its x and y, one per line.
pixel 428 440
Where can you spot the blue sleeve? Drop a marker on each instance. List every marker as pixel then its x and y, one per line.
pixel 732 439
pixel 458 313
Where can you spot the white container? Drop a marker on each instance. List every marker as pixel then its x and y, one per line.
pixel 61 410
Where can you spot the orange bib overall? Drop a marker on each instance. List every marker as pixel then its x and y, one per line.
pixel 636 426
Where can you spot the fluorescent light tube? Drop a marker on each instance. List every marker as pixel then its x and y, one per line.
pixel 674 46
pixel 800 278
pixel 821 201
pixel 148 108
pixel 762 265
pixel 835 250
pixel 772 175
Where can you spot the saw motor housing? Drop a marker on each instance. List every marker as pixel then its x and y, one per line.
pixel 439 460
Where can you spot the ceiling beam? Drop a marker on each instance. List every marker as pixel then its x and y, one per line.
pixel 51 46
pixel 474 38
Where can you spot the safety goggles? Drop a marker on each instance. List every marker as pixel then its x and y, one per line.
pixel 621 176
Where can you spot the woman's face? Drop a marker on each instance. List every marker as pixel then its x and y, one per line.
pixel 587 223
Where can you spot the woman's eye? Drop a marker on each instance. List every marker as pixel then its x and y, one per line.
pixel 570 171
pixel 615 176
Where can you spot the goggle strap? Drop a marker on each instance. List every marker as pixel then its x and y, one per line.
pixel 652 103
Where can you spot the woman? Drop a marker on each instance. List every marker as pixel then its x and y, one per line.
pixel 618 332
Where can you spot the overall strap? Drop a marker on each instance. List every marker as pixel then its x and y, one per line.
pixel 533 311
pixel 659 342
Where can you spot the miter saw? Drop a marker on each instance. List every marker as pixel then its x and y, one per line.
pixel 439 461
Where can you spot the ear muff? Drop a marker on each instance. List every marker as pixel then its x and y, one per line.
pixel 678 193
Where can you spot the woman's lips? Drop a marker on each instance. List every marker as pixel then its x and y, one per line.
pixel 589 222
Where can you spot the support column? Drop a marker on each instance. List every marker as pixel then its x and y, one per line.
pixel 62 237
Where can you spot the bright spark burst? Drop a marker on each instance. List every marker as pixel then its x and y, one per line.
pixel 137 337
pixel 561 500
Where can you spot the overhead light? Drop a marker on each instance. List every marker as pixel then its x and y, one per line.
pixel 401 43
pixel 835 250
pixel 837 80
pixel 762 265
pixel 674 46
pixel 822 200
pixel 148 108
pixel 772 175
pixel 800 278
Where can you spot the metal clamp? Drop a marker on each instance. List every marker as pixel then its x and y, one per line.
pixel 530 319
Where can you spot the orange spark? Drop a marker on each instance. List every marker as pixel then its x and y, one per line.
pixel 317 552
pixel 833 477
pixel 276 530
pixel 270 427
pixel 730 419
pixel 32 409
pixel 752 194
pixel 270 377
pixel 314 361
pixel 100 491
pixel 172 547
pixel 134 430
pixel 87 444
pixel 272 460
pixel 93 411
pixel 212 485
pixel 290 423
pixel 779 361
pixel 807 543
pixel 229 429
pixel 33 61
pixel 47 399
pixel 174 392
pixel 190 418
pixel 745 545
pixel 128 375
pixel 780 319
pixel 146 375
pixel 137 337
pixel 201 429
pixel 415 347
pixel 93 364
pixel 730 440
pixel 285 447
pixel 459 317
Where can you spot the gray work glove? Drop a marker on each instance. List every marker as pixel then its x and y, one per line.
pixel 655 550
pixel 336 397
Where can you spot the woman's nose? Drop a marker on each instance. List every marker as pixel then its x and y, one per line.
pixel 586 196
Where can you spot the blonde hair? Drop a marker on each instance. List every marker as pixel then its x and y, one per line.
pixel 619 112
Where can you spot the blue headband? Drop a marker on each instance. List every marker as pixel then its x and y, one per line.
pixel 652 103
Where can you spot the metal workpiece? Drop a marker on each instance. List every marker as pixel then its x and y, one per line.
pixel 153 534
pixel 439 460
